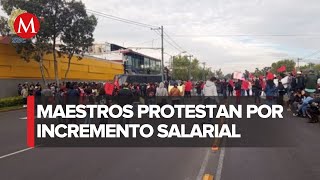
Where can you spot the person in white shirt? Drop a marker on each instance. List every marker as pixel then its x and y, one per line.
pixel 210 91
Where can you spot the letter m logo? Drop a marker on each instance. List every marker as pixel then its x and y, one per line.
pixel 26 25
pixel 21 24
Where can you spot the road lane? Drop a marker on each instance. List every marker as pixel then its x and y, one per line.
pixel 294 163
pixel 104 163
pixel 12 131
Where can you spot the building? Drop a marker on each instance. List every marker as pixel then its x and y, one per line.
pixel 133 62
pixel 14 70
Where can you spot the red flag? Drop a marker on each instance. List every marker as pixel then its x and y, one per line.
pixel 108 88
pixel 245 85
pixel 282 69
pixel 270 76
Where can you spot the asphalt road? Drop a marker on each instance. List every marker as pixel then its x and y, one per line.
pixel 301 162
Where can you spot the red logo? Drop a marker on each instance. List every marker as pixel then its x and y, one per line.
pixel 26 25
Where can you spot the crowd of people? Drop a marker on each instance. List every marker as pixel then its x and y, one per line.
pixel 300 90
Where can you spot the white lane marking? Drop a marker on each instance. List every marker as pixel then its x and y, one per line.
pixel 23 118
pixel 17 152
pixel 220 163
pixel 204 165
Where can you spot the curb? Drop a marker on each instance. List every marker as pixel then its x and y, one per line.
pixel 14 109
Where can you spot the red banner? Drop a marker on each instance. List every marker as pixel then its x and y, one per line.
pixel 108 88
pixel 282 69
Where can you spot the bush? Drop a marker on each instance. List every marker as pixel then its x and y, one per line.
pixel 11 101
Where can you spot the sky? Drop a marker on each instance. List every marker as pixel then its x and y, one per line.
pixel 234 35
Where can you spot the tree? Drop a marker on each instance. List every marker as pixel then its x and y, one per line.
pixel 61 21
pixel 219 74
pixel 228 76
pixel 36 47
pixel 78 36
pixel 182 66
pixel 290 65
pixel 4 28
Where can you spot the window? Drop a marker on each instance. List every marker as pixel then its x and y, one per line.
pixel 146 62
pixel 135 62
pixel 158 65
pixel 129 61
pixel 152 64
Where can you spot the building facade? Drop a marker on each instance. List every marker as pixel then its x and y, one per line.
pixel 133 62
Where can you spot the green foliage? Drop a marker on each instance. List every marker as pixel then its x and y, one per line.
pixel 182 66
pixel 4 28
pixel 310 66
pixel 78 35
pixel 289 63
pixel 11 101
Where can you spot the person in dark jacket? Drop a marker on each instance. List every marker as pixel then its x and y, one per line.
pixel 300 81
pixel 230 87
pixel 311 82
pixel 73 96
pixel 270 92
pixel 125 95
pixel 199 88
pixel 257 89
pixel 237 88
pixel 295 100
pixel 151 94
pixel 281 92
pixel 224 86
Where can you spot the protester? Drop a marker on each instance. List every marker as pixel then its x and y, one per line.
pixel 151 94
pixel 24 93
pixel 125 96
pixel 305 102
pixel 281 93
pixel 300 81
pixel 161 94
pixel 311 82
pixel 188 88
pixel 245 88
pixel 210 91
pixel 175 93
pixel 230 87
pixel 237 88
pixel 270 92
pixel 224 87
pixel 20 87
pixel 199 87
pixel 256 89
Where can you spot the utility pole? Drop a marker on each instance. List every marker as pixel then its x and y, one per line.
pixel 189 69
pixel 162 53
pixel 298 62
pixel 172 67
